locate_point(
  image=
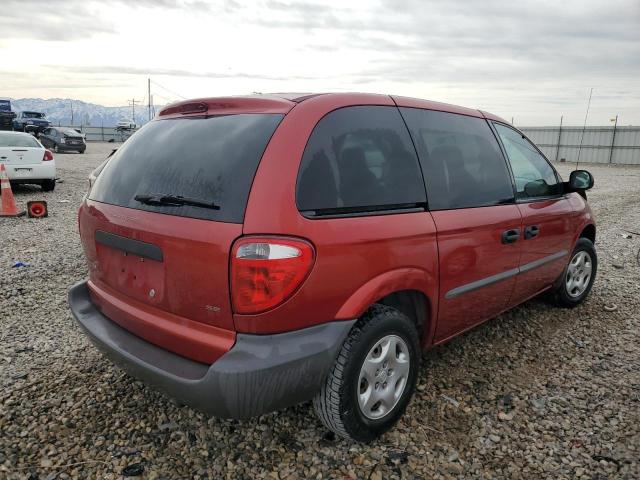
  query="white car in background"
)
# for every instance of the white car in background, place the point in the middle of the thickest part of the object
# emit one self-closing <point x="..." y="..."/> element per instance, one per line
<point x="26" y="160"/>
<point x="126" y="125"/>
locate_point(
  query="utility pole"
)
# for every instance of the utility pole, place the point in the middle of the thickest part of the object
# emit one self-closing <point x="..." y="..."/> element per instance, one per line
<point x="132" y="104"/>
<point x="71" y="105"/>
<point x="149" y="96"/>
<point x="613" y="138"/>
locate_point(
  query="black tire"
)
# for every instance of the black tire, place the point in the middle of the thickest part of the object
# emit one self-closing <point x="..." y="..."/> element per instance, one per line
<point x="81" y="151"/>
<point x="337" y="402"/>
<point x="560" y="294"/>
<point x="56" y="149"/>
<point x="48" y="185"/>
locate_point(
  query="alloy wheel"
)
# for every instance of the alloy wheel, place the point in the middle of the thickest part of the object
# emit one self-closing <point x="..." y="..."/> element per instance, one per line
<point x="578" y="274"/>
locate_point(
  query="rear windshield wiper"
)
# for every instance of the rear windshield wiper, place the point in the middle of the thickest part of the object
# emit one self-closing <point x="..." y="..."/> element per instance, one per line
<point x="160" y="199"/>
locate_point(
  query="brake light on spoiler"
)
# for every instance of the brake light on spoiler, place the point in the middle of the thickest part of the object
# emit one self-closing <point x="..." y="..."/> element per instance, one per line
<point x="184" y="108"/>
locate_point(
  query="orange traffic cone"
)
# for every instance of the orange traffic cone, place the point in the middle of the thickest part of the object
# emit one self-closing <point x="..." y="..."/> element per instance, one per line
<point x="37" y="209"/>
<point x="8" y="207"/>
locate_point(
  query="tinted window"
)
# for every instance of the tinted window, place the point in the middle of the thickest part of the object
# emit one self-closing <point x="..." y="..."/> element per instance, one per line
<point x="533" y="175"/>
<point x="207" y="159"/>
<point x="359" y="157"/>
<point x="461" y="160"/>
<point x="16" y="140"/>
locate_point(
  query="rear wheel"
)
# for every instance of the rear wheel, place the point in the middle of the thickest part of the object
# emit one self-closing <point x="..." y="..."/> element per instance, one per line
<point x="576" y="281"/>
<point x="48" y="185"/>
<point x="373" y="378"/>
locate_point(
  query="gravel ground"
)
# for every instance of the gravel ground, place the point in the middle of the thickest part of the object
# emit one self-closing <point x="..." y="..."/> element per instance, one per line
<point x="537" y="393"/>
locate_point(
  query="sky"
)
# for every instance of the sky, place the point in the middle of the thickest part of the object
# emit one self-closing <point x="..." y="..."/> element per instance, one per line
<point x="532" y="61"/>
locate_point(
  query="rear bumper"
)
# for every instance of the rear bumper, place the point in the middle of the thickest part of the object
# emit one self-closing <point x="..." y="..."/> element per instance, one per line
<point x="30" y="172"/>
<point x="260" y="373"/>
<point x="34" y="128"/>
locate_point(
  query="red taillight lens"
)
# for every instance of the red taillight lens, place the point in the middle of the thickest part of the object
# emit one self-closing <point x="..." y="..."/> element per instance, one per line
<point x="267" y="271"/>
<point x="47" y="156"/>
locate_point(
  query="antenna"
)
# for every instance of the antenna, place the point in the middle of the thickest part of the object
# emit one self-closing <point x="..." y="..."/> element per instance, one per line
<point x="584" y="127"/>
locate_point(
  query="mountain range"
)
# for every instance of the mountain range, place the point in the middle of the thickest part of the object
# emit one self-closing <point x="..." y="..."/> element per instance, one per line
<point x="58" y="111"/>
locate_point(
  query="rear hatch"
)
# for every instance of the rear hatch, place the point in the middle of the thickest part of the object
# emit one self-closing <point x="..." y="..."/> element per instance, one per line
<point x="20" y="149"/>
<point x="71" y="137"/>
<point x="159" y="223"/>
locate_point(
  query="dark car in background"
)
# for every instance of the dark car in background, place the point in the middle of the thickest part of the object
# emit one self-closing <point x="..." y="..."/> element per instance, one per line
<point x="6" y="115"/>
<point x="62" y="139"/>
<point x="32" y="122"/>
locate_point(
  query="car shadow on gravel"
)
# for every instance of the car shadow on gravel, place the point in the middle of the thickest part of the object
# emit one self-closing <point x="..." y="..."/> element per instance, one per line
<point x="26" y="189"/>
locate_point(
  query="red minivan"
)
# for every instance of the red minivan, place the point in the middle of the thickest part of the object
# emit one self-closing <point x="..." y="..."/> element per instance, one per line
<point x="250" y="253"/>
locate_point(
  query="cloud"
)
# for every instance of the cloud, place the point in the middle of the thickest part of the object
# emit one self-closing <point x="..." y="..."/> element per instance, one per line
<point x="52" y="20"/>
<point x="65" y="20"/>
<point x="499" y="54"/>
<point x="171" y="72"/>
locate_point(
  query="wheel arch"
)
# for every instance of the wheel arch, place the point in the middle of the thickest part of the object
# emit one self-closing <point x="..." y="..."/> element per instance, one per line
<point x="403" y="289"/>
<point x="589" y="231"/>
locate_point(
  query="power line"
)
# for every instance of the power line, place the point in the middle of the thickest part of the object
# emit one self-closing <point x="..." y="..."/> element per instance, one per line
<point x="168" y="90"/>
<point x="169" y="100"/>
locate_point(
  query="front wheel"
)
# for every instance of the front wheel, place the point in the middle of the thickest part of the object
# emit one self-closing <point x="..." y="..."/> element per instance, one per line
<point x="575" y="283"/>
<point x="374" y="377"/>
<point x="56" y="149"/>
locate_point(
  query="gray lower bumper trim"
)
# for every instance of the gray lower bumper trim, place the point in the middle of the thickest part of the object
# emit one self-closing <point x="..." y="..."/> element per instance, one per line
<point x="261" y="373"/>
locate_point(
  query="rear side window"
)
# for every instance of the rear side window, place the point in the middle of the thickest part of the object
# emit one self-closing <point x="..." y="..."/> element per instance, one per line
<point x="18" y="140"/>
<point x="533" y="175"/>
<point x="210" y="160"/>
<point x="461" y="160"/>
<point x="359" y="159"/>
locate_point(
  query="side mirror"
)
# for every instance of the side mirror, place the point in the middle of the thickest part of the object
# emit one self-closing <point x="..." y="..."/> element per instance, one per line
<point x="580" y="180"/>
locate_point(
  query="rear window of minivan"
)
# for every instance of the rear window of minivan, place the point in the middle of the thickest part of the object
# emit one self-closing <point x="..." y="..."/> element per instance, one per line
<point x="211" y="160"/>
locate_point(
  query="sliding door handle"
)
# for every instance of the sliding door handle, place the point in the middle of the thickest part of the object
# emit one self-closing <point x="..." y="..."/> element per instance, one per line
<point x="531" y="231"/>
<point x="511" y="236"/>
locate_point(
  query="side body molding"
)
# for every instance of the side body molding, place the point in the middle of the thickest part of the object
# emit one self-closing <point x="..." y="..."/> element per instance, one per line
<point x="483" y="282"/>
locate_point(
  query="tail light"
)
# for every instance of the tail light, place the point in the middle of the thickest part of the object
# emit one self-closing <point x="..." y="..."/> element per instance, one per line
<point x="267" y="271"/>
<point x="47" y="156"/>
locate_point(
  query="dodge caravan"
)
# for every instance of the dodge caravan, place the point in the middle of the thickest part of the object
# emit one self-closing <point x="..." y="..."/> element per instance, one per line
<point x="249" y="253"/>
